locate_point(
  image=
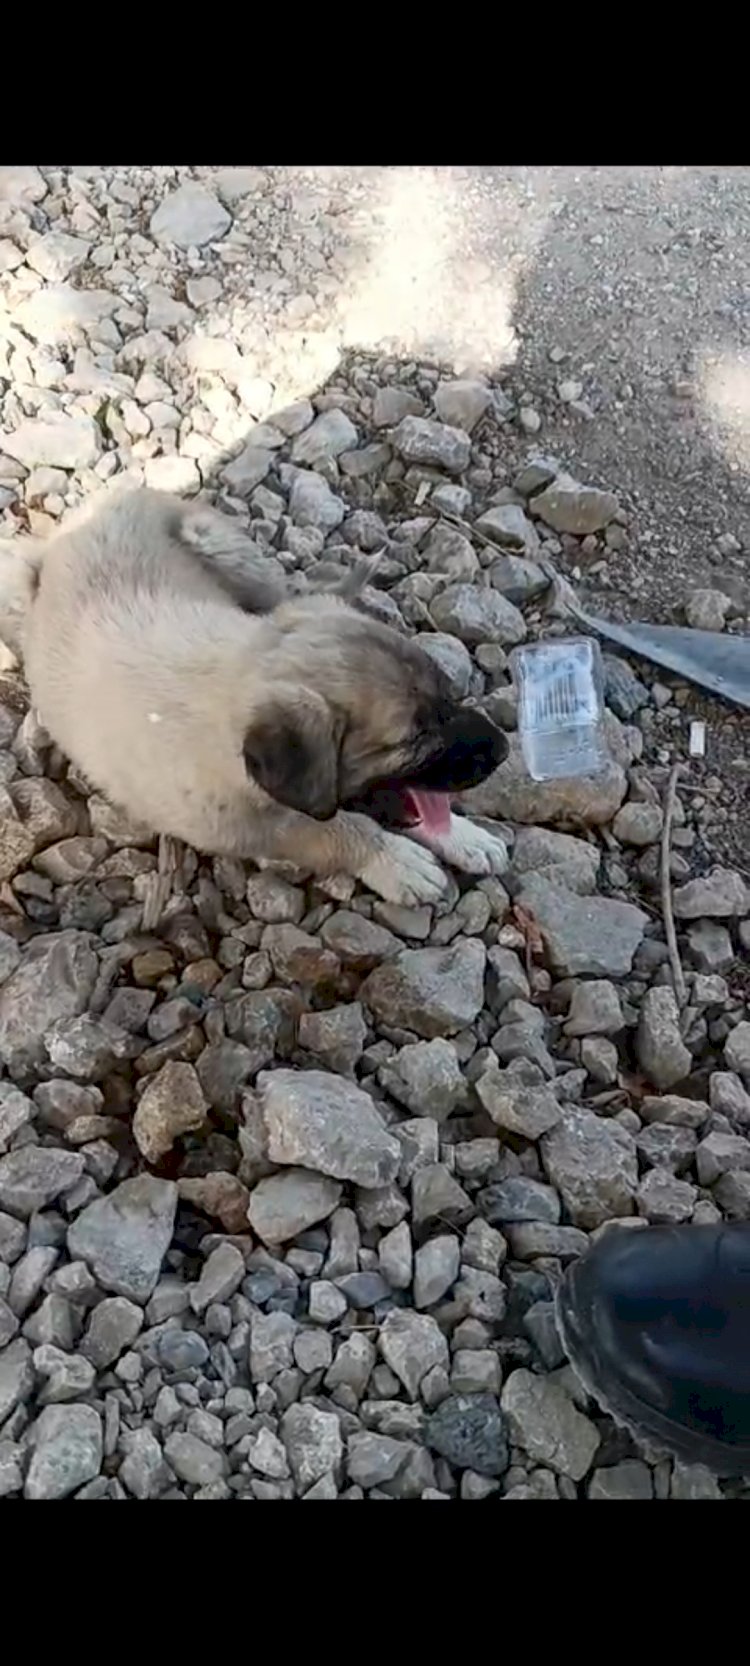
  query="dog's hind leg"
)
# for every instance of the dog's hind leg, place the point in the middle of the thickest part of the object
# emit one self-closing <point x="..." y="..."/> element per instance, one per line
<point x="232" y="558"/>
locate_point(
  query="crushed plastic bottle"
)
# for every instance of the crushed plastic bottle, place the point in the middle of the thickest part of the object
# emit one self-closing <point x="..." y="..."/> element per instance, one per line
<point x="561" y="707"/>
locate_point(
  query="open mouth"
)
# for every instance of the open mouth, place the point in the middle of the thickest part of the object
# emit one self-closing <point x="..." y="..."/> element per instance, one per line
<point x="471" y="747"/>
<point x="394" y="804"/>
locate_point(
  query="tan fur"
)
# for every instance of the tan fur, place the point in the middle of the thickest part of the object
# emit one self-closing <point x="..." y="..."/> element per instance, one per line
<point x="153" y="680"/>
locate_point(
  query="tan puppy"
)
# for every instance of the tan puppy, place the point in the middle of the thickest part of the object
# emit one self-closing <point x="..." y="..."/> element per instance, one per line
<point x="249" y="733"/>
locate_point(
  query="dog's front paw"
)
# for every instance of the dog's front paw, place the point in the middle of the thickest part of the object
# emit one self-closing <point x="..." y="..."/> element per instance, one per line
<point x="405" y="873"/>
<point x="471" y="848"/>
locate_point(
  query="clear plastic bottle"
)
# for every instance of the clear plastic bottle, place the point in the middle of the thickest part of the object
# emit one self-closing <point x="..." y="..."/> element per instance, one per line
<point x="561" y="707"/>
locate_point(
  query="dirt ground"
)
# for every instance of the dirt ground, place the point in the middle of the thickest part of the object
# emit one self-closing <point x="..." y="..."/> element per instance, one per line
<point x="629" y="283"/>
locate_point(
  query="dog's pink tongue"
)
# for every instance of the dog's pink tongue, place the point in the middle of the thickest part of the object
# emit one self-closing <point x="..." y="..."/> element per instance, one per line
<point x="433" y="809"/>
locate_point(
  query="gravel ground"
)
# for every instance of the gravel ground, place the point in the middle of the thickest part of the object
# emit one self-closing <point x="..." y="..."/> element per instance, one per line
<point x="286" y="1186"/>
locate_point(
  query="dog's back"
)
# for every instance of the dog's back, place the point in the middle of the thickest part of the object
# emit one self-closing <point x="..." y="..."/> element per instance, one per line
<point x="133" y="653"/>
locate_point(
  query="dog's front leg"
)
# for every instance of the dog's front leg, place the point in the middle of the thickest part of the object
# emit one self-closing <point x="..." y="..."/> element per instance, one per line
<point x="394" y="867"/>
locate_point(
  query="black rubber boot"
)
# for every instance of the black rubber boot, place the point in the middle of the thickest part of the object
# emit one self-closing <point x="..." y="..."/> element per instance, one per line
<point x="656" y="1322"/>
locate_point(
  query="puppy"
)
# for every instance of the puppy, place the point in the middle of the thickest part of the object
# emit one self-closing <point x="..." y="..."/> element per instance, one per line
<point x="165" y="665"/>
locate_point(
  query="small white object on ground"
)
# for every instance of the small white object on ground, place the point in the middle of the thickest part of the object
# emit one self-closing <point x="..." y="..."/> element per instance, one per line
<point x="697" y="739"/>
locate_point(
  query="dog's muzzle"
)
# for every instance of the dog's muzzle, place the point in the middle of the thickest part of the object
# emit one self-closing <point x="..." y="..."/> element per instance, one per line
<point x="471" y="747"/>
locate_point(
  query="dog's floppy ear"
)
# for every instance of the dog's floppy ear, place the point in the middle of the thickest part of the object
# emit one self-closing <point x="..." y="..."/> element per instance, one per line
<point x="291" y="749"/>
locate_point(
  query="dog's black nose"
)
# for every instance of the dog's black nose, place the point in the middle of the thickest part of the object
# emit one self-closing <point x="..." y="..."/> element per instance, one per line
<point x="471" y="747"/>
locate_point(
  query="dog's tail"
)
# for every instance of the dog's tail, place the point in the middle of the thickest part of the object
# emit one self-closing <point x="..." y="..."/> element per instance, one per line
<point x="20" y="566"/>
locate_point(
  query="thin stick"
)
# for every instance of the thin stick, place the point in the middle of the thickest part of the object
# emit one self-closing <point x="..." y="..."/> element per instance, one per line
<point x="678" y="976"/>
<point x="160" y="884"/>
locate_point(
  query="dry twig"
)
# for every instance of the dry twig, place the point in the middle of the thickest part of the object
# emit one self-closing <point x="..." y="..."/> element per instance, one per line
<point x="678" y="976"/>
<point x="160" y="884"/>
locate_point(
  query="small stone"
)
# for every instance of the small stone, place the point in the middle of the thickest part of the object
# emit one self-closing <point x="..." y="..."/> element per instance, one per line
<point x="124" y="1237"/>
<point x="732" y="1194"/>
<point x="544" y="1421"/>
<point x="721" y="894"/>
<point x="9" y="1324"/>
<point x="68" y="1375"/>
<point x="16" y="1375"/>
<point x="336" y="1037"/>
<point x="662" y="1054"/>
<point x="436" y="1267"/>
<point x="283" y="1205"/>
<point x="313" y="1443"/>
<point x="321" y="1122"/>
<point x="142" y="1471"/>
<point x="55" y="255"/>
<point x="623" y="691"/>
<point x="638" y="824"/>
<point x="516" y="1108"/>
<point x="220" y="1195"/>
<point x="113" y="1327"/>
<point x="182" y="1350"/>
<point x="391" y="404"/>
<point x="358" y="942"/>
<point x="462" y="403"/>
<point x="326" y="1304"/>
<point x="431" y="991"/>
<point x="519" y="1199"/>
<point x="247" y="470"/>
<point x="718" y="1154"/>
<point x="313" y="1351"/>
<point x="374" y="1459"/>
<point x="33" y="1176"/>
<point x="88" y="1047"/>
<point x="329" y="435"/>
<point x="54" y="980"/>
<point x="190" y="217"/>
<point x="436" y="1195"/>
<point x="22" y="183"/>
<point x="313" y="504"/>
<point x="395" y="1254"/>
<point x="475" y="616"/>
<point x="425" y="1076"/>
<point x="664" y="1200"/>
<point x="420" y="440"/>
<point x="172" y="1104"/>
<point x="469" y="1431"/>
<point x="594" y="1009"/>
<point x="569" y="507"/>
<point x="670" y="1108"/>
<point x="559" y="856"/>
<point x="449" y="552"/>
<point x="593" y="1165"/>
<point x="411" y="1344"/>
<point x="59" y="441"/>
<point x="475" y="1371"/>
<point x="222" y="1274"/>
<point x="517" y="580"/>
<point x="268" y="1456"/>
<point x="193" y="1460"/>
<point x="693" y="1481"/>
<point x="16" y="1111"/>
<point x="452" y="657"/>
<point x="629" y="1479"/>
<point x="583" y="936"/>
<point x="510" y="794"/>
<point x="737" y="1050"/>
<point x="67" y="1451"/>
<point x="706" y="610"/>
<point x="273" y="900"/>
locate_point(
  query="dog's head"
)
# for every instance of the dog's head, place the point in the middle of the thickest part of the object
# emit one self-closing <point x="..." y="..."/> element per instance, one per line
<point x="358" y="717"/>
